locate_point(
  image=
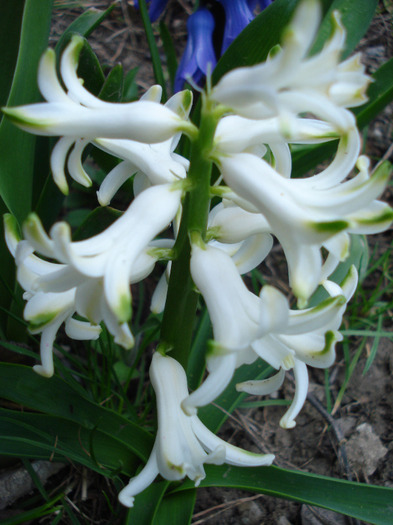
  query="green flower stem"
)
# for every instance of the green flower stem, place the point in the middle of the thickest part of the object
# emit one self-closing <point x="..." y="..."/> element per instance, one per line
<point x="180" y="309"/>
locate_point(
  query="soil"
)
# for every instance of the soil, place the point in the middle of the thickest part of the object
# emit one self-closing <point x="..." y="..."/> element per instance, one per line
<point x="361" y="428"/>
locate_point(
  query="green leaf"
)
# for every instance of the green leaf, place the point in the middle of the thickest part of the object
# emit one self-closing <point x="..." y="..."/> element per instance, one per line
<point x="170" y="52"/>
<point x="146" y="504"/>
<point x="306" y="158"/>
<point x="356" y="16"/>
<point x="83" y="25"/>
<point x="34" y="514"/>
<point x="56" y="397"/>
<point x="369" y="503"/>
<point x="112" y="89"/>
<point x="176" y="509"/>
<point x="97" y="221"/>
<point x="10" y="25"/>
<point x="130" y="89"/>
<point x="16" y="146"/>
<point x="197" y="361"/>
<point x="380" y="94"/>
<point x="7" y="277"/>
<point x="42" y="436"/>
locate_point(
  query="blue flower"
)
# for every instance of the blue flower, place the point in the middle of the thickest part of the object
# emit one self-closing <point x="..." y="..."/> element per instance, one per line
<point x="199" y="52"/>
<point x="237" y="16"/>
<point x="156" y="7"/>
<point x="262" y="4"/>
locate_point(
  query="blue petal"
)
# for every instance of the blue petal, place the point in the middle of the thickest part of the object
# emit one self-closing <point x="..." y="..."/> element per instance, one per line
<point x="237" y="16"/>
<point x="199" y="50"/>
<point x="156" y="7"/>
<point x="262" y="4"/>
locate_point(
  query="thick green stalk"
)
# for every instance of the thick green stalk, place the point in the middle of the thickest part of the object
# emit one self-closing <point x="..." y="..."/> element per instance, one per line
<point x="181" y="303"/>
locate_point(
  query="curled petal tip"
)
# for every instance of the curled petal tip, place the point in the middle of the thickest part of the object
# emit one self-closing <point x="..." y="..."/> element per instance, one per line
<point x="125" y="499"/>
<point x="42" y="371"/>
<point x="287" y="424"/>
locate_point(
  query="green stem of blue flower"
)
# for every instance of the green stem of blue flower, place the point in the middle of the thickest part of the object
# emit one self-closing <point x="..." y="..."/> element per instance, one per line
<point x="180" y="309"/>
<point x="155" y="56"/>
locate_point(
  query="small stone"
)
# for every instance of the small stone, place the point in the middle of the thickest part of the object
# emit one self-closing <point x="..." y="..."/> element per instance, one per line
<point x="251" y="513"/>
<point x="316" y="516"/>
<point x="346" y="424"/>
<point x="365" y="449"/>
<point x="283" y="521"/>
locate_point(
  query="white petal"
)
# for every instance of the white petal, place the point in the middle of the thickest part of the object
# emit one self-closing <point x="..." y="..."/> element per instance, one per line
<point x="233" y="455"/>
<point x="221" y="370"/>
<point x="75" y="166"/>
<point x="48" y="82"/>
<point x="252" y="252"/>
<point x="58" y="160"/>
<point x="301" y="381"/>
<point x="233" y="309"/>
<point x="81" y="330"/>
<point x="140" y="482"/>
<point x="143" y="121"/>
<point x="114" y="180"/>
<point x="264" y="386"/>
<point x="158" y="299"/>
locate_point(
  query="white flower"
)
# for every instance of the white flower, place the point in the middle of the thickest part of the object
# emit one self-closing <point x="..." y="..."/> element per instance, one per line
<point x="157" y="162"/>
<point x="290" y="81"/>
<point x="308" y="339"/>
<point x="304" y="214"/>
<point x="92" y="277"/>
<point x="246" y="327"/>
<point x="80" y="117"/>
<point x="239" y="318"/>
<point x="235" y="134"/>
<point x="112" y="254"/>
<point x="183" y="444"/>
<point x="45" y="312"/>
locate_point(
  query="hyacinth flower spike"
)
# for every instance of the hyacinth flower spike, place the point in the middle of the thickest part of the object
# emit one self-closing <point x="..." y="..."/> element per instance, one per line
<point x="183" y="444"/>
<point x="199" y="54"/>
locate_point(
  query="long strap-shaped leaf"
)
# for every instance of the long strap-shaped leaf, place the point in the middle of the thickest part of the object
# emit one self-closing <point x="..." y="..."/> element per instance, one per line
<point x="27" y="434"/>
<point x="56" y="398"/>
<point x="16" y="146"/>
<point x="369" y="503"/>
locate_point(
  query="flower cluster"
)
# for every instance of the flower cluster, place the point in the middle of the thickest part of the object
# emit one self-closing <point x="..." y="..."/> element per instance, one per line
<point x="257" y="114"/>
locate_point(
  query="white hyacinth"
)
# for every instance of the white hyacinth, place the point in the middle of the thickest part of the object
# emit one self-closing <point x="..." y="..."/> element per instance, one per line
<point x="80" y="117"/>
<point x="183" y="444"/>
<point x="250" y="121"/>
